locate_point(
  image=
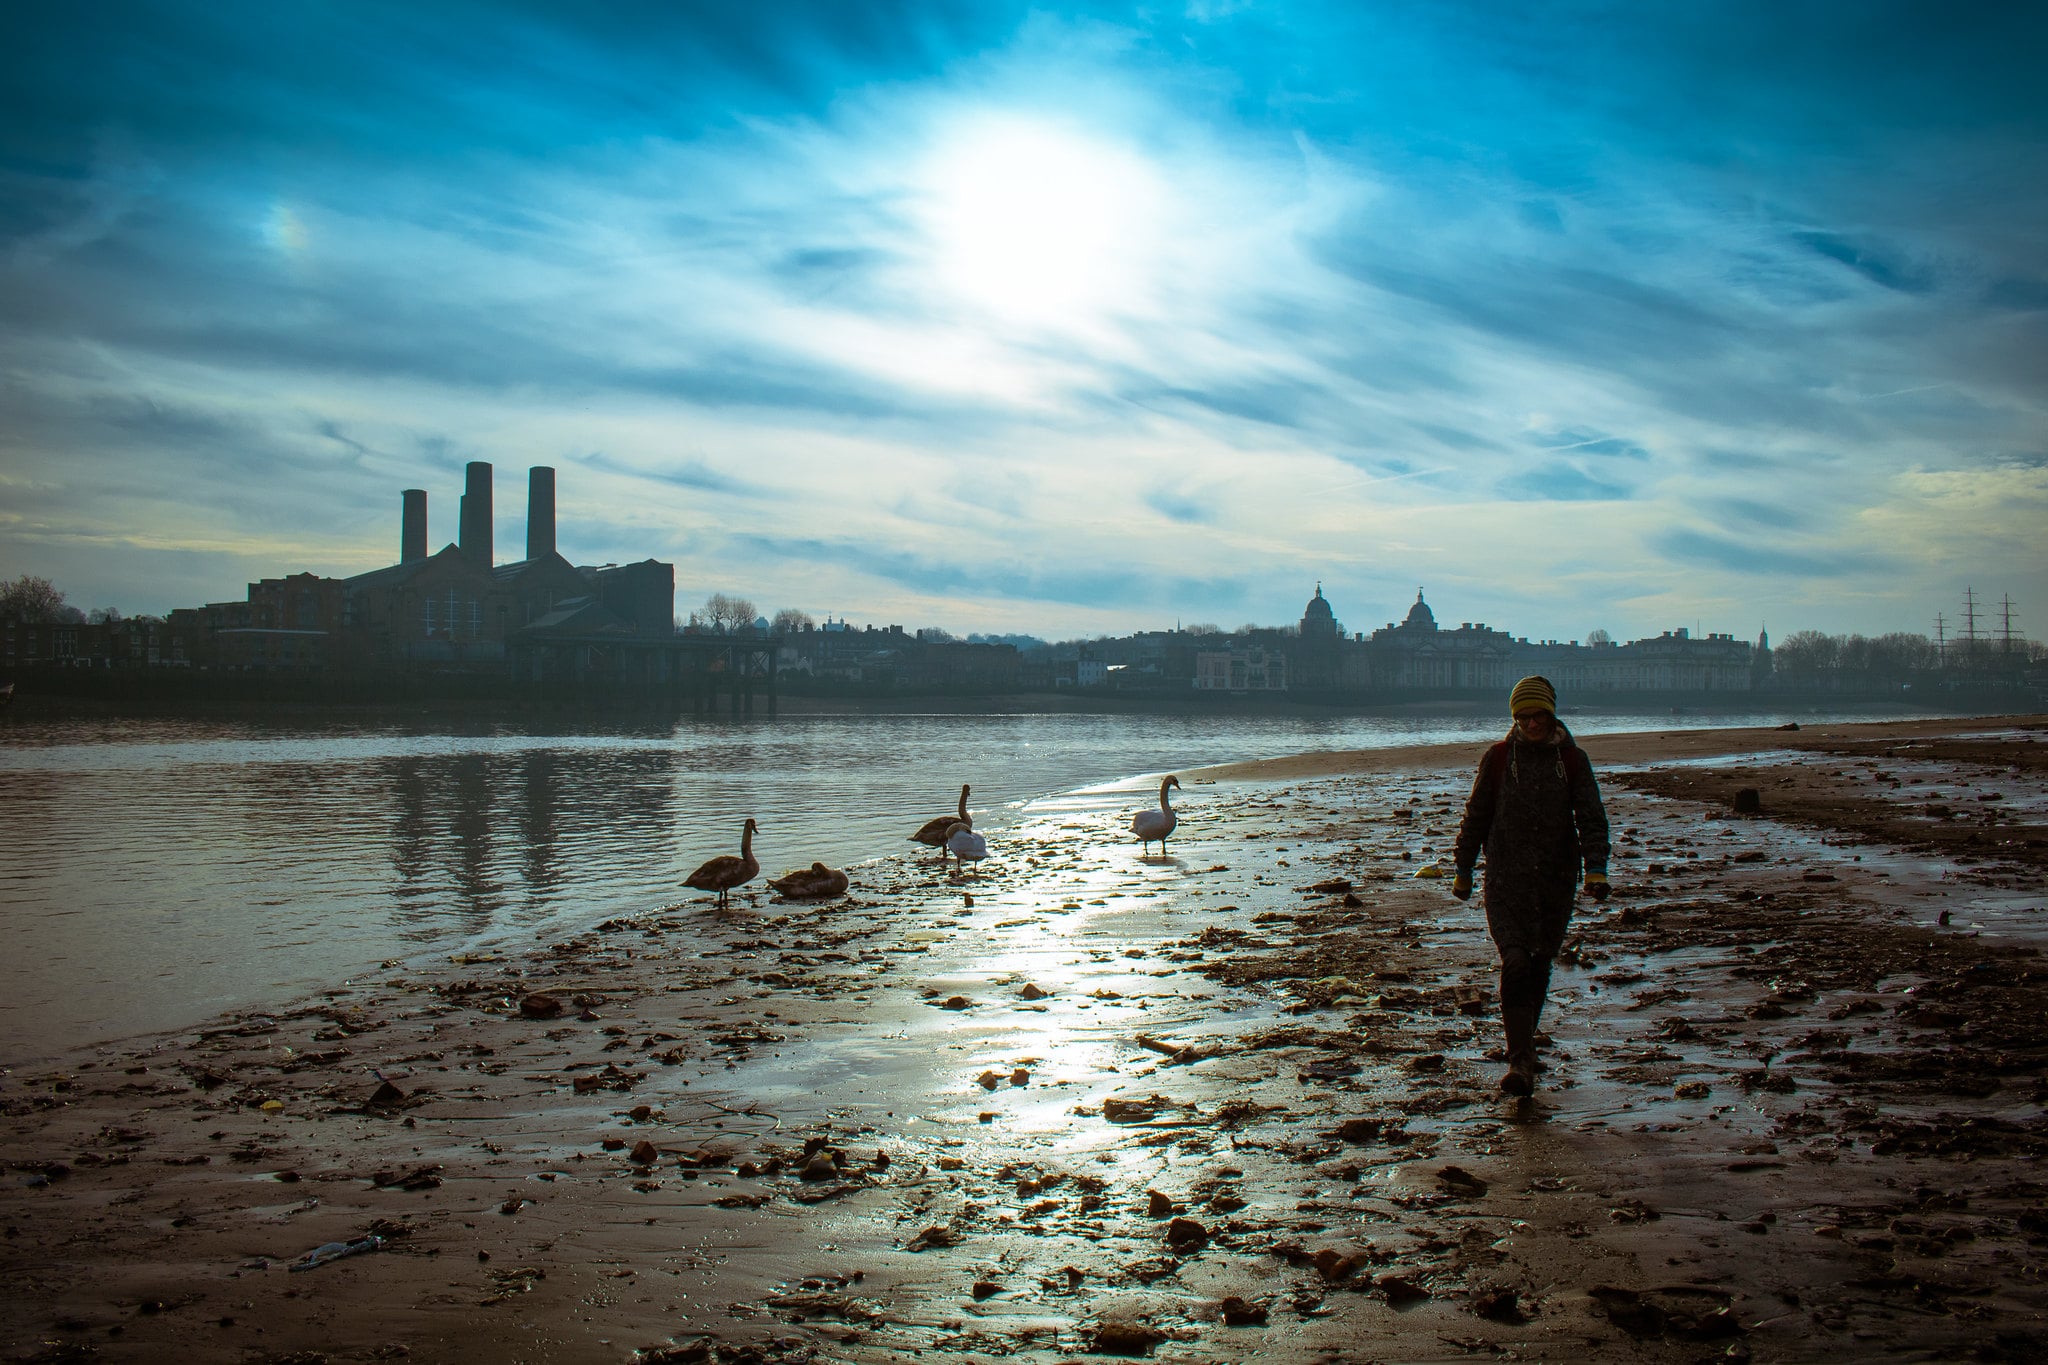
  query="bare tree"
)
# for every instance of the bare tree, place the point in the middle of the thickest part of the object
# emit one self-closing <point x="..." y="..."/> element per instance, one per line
<point x="1205" y="628"/>
<point x="727" y="613"/>
<point x="1599" y="636"/>
<point x="32" y="599"/>
<point x="1805" y="653"/>
<point x="789" y="621"/>
<point x="105" y="616"/>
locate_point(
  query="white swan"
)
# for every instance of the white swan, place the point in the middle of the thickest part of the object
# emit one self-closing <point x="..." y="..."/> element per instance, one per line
<point x="963" y="843"/>
<point x="1156" y="824"/>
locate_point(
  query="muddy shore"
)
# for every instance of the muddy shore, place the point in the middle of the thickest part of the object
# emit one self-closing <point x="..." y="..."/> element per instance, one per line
<point x="1231" y="1103"/>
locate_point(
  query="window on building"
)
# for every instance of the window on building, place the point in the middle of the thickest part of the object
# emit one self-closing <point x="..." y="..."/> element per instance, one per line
<point x="430" y="616"/>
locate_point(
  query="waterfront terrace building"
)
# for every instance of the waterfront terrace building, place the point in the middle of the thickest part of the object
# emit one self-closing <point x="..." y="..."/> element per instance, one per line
<point x="1674" y="661"/>
<point x="1244" y="668"/>
<point x="1418" y="655"/>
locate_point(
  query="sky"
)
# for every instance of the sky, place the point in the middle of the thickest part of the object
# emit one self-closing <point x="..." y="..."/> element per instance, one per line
<point x="1066" y="320"/>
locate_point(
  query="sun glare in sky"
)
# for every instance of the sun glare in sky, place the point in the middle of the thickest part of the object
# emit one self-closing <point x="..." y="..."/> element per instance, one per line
<point x="1041" y="224"/>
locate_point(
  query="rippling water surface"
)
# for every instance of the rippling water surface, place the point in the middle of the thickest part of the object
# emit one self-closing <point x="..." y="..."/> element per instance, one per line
<point x="155" y="872"/>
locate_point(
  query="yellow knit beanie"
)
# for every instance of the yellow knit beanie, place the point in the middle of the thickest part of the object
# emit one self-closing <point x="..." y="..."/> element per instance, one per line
<point x="1533" y="693"/>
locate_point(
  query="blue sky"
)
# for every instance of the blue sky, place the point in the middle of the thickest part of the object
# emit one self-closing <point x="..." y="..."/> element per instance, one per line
<point x="1066" y="320"/>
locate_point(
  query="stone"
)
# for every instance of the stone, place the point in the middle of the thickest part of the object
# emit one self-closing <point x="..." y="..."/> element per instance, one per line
<point x="1124" y="1339"/>
<point x="1499" y="1305"/>
<point x="1399" y="1290"/>
<point x="1337" y="1266"/>
<point x="1458" y="1180"/>
<point x="1129" y="1111"/>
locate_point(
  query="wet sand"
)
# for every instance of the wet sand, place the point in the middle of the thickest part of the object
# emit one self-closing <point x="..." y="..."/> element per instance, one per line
<point x="1231" y="1103"/>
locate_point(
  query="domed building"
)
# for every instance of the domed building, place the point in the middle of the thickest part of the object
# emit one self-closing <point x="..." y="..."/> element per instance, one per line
<point x="1419" y="655"/>
<point x="1318" y="646"/>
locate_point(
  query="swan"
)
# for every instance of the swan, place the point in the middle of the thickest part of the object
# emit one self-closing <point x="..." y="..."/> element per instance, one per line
<point x="816" y="882"/>
<point x="1156" y="824"/>
<point x="964" y="844"/>
<point x="725" y="872"/>
<point x="933" y="832"/>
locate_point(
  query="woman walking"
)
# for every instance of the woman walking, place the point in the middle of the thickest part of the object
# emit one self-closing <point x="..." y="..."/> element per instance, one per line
<point x="1535" y="812"/>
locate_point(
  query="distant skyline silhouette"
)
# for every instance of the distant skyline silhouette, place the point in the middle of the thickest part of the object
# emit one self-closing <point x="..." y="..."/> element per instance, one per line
<point x="1061" y="321"/>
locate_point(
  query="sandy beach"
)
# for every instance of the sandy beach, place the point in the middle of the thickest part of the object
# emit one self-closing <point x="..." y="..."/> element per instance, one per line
<point x="1231" y="1103"/>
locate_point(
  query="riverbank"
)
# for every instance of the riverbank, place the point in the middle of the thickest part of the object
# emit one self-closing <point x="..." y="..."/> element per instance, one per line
<point x="1231" y="1103"/>
<point x="67" y="693"/>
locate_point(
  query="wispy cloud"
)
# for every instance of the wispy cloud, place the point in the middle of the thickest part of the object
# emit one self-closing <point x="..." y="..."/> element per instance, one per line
<point x="1373" y="294"/>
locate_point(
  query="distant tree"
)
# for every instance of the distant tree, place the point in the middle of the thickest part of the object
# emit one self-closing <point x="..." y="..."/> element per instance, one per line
<point x="105" y="616"/>
<point x="789" y="621"/>
<point x="1900" y="653"/>
<point x="1599" y="636"/>
<point x="1806" y="653"/>
<point x="1852" y="654"/>
<point x="1205" y="628"/>
<point x="32" y="599"/>
<point x="1023" y="643"/>
<point x="934" y="635"/>
<point x="727" y="613"/>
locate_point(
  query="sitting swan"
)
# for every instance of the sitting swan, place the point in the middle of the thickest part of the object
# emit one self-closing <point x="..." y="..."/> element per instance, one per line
<point x="1156" y="824"/>
<point x="725" y="872"/>
<point x="816" y="882"/>
<point x="963" y="843"/>
<point x="932" y="834"/>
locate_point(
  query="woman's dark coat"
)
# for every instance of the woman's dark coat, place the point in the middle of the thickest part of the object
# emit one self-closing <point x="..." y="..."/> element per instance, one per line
<point x="1535" y="810"/>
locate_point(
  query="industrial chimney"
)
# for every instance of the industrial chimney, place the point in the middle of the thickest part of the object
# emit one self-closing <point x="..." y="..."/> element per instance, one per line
<point x="540" y="511"/>
<point x="412" y="533"/>
<point x="476" y="514"/>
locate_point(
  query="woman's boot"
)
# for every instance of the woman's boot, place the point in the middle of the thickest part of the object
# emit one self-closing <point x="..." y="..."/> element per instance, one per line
<point x="1520" y="1024"/>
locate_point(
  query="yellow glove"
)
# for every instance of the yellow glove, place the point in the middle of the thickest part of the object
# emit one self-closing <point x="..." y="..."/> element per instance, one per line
<point x="1596" y="885"/>
<point x="1461" y="884"/>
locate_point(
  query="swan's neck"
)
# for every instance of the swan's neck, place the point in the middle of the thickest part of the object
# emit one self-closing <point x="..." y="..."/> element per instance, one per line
<point x="1164" y="804"/>
<point x="746" y="842"/>
<point x="963" y="803"/>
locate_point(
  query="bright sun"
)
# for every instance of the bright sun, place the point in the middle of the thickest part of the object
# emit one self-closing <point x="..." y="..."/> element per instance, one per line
<point x="1041" y="224"/>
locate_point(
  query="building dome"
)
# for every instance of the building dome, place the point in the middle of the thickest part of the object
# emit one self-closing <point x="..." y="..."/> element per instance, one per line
<point x="1317" y="618"/>
<point x="1420" y="616"/>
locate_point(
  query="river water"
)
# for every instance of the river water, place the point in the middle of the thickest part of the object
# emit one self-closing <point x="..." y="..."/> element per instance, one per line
<point x="156" y="872"/>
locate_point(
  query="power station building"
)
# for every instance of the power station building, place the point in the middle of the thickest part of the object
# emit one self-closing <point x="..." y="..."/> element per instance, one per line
<point x="458" y="608"/>
<point x="454" y="610"/>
